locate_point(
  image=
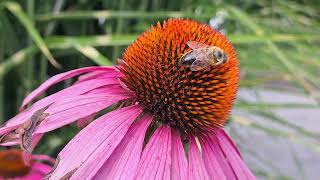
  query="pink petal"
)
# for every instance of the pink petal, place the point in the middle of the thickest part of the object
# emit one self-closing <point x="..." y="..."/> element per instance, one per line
<point x="43" y="157"/>
<point x="232" y="155"/>
<point x="179" y="170"/>
<point x="72" y="91"/>
<point x="114" y="89"/>
<point x="216" y="165"/>
<point x="89" y="149"/>
<point x="71" y="109"/>
<point x="156" y="160"/>
<point x="76" y="90"/>
<point x="99" y="75"/>
<point x="225" y="135"/>
<point x="60" y="77"/>
<point x="197" y="169"/>
<point x="123" y="162"/>
<point x="41" y="168"/>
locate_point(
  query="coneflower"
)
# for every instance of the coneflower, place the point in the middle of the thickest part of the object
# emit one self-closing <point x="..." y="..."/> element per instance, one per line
<point x="166" y="121"/>
<point x="17" y="165"/>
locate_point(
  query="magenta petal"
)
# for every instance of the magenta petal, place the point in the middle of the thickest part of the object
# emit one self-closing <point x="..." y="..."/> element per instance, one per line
<point x="60" y="77"/>
<point x="123" y="162"/>
<point x="197" y="169"/>
<point x="71" y="109"/>
<point x="99" y="75"/>
<point x="41" y="168"/>
<point x="69" y="92"/>
<point x="75" y="90"/>
<point x="216" y="165"/>
<point x="232" y="154"/>
<point x="88" y="150"/>
<point x="179" y="170"/>
<point x="155" y="162"/>
<point x="43" y="157"/>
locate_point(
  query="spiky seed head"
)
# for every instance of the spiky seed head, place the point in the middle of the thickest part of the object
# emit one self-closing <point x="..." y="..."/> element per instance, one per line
<point x="192" y="101"/>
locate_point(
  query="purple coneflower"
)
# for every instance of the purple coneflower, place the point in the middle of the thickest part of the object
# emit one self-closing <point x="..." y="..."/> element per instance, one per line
<point x="17" y="165"/>
<point x="166" y="120"/>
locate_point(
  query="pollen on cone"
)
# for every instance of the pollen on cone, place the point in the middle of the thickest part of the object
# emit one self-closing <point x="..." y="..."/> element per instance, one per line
<point x="192" y="101"/>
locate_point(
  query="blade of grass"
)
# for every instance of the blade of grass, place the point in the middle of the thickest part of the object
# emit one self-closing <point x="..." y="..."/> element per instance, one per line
<point x="64" y="42"/>
<point x="16" y="59"/>
<point x="16" y="10"/>
<point x="2" y="117"/>
<point x="244" y="38"/>
<point x="274" y="118"/>
<point x="253" y="106"/>
<point x="30" y="64"/>
<point x="295" y="71"/>
<point x="119" y="29"/>
<point x="109" y="14"/>
<point x="275" y="132"/>
<point x="94" y="55"/>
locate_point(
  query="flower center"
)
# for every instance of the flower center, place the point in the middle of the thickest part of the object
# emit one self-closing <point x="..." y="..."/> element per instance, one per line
<point x="12" y="164"/>
<point x="192" y="101"/>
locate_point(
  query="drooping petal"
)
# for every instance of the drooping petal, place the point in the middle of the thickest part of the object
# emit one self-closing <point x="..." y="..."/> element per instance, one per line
<point x="69" y="92"/>
<point x="156" y="159"/>
<point x="71" y="109"/>
<point x="76" y="90"/>
<point x="41" y="168"/>
<point x="99" y="75"/>
<point x="179" y="170"/>
<point x="123" y="162"/>
<point x="232" y="155"/>
<point x="43" y="157"/>
<point x="60" y="77"/>
<point x="94" y="144"/>
<point x="197" y="169"/>
<point x="214" y="160"/>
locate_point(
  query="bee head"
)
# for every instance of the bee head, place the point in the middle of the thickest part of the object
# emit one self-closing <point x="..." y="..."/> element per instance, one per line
<point x="220" y="56"/>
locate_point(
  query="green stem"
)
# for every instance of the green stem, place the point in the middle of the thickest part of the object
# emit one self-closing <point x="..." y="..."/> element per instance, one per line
<point x="109" y="14"/>
<point x="2" y="118"/>
<point x="30" y="64"/>
<point x="119" y="29"/>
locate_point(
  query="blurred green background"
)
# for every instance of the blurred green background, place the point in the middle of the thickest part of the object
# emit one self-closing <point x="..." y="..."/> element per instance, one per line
<point x="277" y="43"/>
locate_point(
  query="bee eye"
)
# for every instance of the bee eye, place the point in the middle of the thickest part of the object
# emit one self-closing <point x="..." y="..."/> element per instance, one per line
<point x="218" y="55"/>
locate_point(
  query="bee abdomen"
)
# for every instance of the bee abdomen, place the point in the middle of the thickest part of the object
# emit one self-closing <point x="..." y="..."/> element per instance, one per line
<point x="188" y="58"/>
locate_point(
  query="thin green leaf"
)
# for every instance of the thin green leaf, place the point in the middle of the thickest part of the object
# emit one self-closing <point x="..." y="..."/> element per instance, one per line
<point x="94" y="55"/>
<point x="109" y="14"/>
<point x="15" y="9"/>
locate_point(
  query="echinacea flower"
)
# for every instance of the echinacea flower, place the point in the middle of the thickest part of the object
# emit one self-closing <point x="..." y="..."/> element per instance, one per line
<point x="18" y="165"/>
<point x="166" y="120"/>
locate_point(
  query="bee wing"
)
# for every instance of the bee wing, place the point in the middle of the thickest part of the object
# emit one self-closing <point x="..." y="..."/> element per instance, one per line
<point x="199" y="64"/>
<point x="196" y="45"/>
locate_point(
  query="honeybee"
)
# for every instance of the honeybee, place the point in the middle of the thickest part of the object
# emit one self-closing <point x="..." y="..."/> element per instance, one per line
<point x="203" y="56"/>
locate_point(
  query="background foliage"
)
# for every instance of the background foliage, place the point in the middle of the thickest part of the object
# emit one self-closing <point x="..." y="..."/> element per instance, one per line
<point x="277" y="43"/>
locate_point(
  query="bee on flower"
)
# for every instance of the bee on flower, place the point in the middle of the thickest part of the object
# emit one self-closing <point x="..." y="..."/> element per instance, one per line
<point x="203" y="56"/>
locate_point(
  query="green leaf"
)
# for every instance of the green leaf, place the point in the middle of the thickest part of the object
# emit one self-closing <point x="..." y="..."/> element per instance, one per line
<point x="109" y="14"/>
<point x="94" y="55"/>
<point x="15" y="9"/>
